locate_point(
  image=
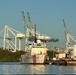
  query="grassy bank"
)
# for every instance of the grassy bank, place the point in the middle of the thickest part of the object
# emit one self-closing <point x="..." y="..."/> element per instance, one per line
<point x="8" y="56"/>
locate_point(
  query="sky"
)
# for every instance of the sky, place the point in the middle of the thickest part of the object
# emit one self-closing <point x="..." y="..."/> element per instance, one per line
<point x="48" y="15"/>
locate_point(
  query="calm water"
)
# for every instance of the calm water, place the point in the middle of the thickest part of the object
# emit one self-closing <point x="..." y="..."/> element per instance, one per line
<point x="17" y="68"/>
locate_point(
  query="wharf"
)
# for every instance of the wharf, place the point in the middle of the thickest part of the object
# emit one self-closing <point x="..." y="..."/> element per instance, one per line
<point x="56" y="62"/>
<point x="71" y="62"/>
<point x="61" y="62"/>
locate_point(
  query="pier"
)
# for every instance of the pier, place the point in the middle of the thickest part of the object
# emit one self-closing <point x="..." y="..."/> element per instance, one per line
<point x="56" y="62"/>
<point x="61" y="62"/>
<point x="71" y="63"/>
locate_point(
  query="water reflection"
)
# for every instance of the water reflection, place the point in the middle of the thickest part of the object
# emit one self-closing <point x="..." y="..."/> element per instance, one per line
<point x="5" y="68"/>
<point x="37" y="69"/>
<point x="17" y="68"/>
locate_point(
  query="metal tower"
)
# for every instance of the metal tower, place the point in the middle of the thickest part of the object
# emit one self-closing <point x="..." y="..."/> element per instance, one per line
<point x="30" y="31"/>
<point x="11" y="38"/>
<point x="69" y="37"/>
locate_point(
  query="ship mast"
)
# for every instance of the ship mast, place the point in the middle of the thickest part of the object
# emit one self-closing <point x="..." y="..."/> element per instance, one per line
<point x="35" y="34"/>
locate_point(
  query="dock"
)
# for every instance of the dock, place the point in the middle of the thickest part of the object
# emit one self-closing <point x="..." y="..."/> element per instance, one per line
<point x="61" y="62"/>
<point x="56" y="62"/>
<point x="71" y="63"/>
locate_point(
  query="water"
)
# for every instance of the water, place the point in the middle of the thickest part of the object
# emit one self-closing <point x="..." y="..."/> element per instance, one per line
<point x="9" y="68"/>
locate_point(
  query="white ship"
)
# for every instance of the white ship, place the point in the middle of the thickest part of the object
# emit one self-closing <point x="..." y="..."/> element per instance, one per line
<point x="35" y="54"/>
<point x="36" y="50"/>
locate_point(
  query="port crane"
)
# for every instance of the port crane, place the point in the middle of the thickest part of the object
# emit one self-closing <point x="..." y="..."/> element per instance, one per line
<point x="70" y="47"/>
<point x="68" y="36"/>
<point x="11" y="38"/>
<point x="30" y="32"/>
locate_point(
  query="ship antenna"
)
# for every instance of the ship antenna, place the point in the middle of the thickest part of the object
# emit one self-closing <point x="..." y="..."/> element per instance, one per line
<point x="35" y="34"/>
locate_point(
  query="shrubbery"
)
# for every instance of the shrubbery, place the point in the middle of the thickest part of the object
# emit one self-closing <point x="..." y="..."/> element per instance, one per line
<point x="51" y="54"/>
<point x="10" y="56"/>
<point x="7" y="56"/>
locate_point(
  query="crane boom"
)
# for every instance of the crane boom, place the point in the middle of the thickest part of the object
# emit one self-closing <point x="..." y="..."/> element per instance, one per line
<point x="24" y="22"/>
<point x="29" y="21"/>
<point x="31" y="32"/>
<point x="66" y="34"/>
<point x="65" y="28"/>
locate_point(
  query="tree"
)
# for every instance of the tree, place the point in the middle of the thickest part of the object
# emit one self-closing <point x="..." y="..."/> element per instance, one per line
<point x="54" y="40"/>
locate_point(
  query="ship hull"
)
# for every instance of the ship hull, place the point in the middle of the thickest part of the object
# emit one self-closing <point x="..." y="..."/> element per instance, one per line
<point x="33" y="59"/>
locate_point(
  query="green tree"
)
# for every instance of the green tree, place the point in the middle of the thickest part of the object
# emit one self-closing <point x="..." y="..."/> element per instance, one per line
<point x="54" y="40"/>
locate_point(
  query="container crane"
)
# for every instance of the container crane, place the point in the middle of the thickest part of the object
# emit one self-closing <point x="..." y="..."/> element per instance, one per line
<point x="66" y="34"/>
<point x="27" y="28"/>
<point x="29" y="21"/>
<point x="24" y="21"/>
<point x="70" y="48"/>
<point x="30" y="31"/>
